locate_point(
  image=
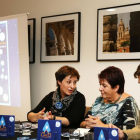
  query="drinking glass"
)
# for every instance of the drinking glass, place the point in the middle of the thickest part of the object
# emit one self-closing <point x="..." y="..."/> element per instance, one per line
<point x="17" y="125"/>
<point x="88" y="136"/>
<point x="26" y="128"/>
<point x="74" y="134"/>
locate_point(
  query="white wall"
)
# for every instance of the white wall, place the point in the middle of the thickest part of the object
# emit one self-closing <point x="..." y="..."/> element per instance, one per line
<point x="42" y="74"/>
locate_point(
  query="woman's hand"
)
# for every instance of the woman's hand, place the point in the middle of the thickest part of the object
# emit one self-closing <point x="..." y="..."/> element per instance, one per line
<point x="92" y="122"/>
<point x="120" y="132"/>
<point x="49" y="116"/>
<point x="63" y="120"/>
<point x="40" y="114"/>
<point x="33" y="117"/>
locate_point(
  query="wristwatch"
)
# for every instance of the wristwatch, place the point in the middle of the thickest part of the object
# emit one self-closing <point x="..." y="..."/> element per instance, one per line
<point x="125" y="137"/>
<point x="53" y="117"/>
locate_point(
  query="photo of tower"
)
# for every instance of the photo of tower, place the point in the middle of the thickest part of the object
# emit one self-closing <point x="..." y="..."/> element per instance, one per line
<point x="123" y="33"/>
<point x="118" y="33"/>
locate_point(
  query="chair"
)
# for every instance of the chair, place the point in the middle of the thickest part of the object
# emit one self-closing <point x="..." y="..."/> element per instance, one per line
<point x="86" y="110"/>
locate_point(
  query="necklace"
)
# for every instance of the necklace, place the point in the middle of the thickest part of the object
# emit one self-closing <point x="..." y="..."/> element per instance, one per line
<point x="117" y="99"/>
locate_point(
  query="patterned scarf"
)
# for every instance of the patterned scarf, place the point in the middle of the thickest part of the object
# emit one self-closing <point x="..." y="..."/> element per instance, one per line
<point x="65" y="102"/>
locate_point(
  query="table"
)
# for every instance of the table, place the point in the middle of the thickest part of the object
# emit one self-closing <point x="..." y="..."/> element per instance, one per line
<point x="34" y="134"/>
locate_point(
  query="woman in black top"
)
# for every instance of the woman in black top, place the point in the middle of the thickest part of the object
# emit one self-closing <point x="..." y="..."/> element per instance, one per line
<point x="65" y="103"/>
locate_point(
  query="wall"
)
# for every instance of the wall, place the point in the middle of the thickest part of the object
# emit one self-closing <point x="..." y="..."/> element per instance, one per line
<point x="42" y="74"/>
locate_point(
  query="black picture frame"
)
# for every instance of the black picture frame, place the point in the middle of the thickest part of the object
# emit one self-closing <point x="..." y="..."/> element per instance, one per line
<point x="31" y="39"/>
<point x="60" y="38"/>
<point x="118" y="33"/>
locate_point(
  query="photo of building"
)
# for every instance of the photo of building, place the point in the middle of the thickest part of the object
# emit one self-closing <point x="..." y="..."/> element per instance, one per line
<point x="60" y="38"/>
<point x="116" y="33"/>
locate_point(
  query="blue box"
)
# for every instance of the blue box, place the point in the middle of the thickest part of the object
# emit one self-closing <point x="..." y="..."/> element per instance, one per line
<point x="102" y="133"/>
<point x="7" y="126"/>
<point x="49" y="130"/>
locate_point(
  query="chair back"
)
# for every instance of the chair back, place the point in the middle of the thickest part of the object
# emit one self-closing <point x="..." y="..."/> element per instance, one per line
<point x="86" y="110"/>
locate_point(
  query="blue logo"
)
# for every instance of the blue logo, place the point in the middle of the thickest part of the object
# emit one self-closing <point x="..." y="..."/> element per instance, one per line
<point x="46" y="127"/>
<point x="46" y="131"/>
<point x="58" y="105"/>
<point x="2" y="125"/>
<point x="101" y="136"/>
<point x="2" y="122"/>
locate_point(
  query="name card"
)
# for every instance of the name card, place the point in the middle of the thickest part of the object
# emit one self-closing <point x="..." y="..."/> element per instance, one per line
<point x="49" y="130"/>
<point x="7" y="126"/>
<point x="101" y="133"/>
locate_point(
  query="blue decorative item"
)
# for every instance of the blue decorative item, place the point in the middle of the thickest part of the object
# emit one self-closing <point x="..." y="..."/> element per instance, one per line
<point x="22" y="138"/>
<point x="49" y="130"/>
<point x="46" y="127"/>
<point x="102" y="133"/>
<point x="101" y="136"/>
<point x="58" y="105"/>
<point x="7" y="126"/>
<point x="2" y="122"/>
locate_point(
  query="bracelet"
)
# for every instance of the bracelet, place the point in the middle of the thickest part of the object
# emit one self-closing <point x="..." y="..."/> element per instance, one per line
<point x="53" y="117"/>
<point x="125" y="137"/>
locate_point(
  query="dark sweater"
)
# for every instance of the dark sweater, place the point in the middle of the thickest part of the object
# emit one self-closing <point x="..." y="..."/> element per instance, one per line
<point x="74" y="113"/>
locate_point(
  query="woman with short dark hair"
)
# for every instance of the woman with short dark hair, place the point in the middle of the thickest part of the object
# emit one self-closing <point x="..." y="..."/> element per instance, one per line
<point x="65" y="103"/>
<point x="114" y="76"/>
<point x="113" y="106"/>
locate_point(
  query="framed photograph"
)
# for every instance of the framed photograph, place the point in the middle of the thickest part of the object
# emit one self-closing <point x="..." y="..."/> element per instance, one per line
<point x="31" y="39"/>
<point x="60" y="38"/>
<point x="118" y="33"/>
